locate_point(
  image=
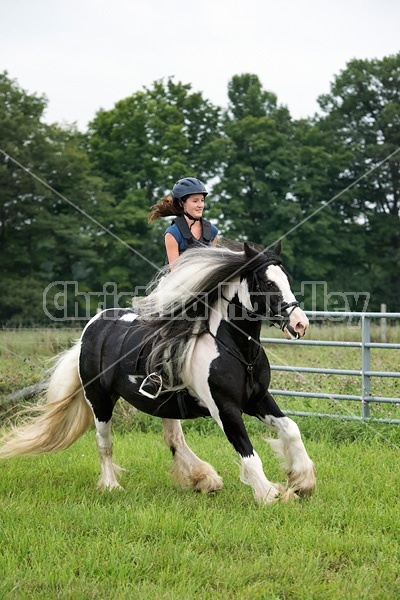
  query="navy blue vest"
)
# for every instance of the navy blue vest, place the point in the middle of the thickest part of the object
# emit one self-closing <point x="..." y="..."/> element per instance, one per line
<point x="190" y="240"/>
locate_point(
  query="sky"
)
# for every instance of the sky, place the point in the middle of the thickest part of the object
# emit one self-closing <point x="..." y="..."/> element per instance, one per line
<point x="86" y="55"/>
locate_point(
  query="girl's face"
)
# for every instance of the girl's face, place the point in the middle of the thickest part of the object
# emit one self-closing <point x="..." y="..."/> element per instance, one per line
<point x="194" y="205"/>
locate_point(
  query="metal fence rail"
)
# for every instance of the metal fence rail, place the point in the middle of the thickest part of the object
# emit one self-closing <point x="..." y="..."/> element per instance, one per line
<point x="365" y="372"/>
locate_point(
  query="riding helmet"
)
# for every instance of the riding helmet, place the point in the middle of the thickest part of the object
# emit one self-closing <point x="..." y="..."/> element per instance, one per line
<point x="186" y="187"/>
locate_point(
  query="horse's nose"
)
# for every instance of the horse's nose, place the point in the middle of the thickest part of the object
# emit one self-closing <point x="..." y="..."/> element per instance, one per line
<point x="301" y="326"/>
<point x="300" y="322"/>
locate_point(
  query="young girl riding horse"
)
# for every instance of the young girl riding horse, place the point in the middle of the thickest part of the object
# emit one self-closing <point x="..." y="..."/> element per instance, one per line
<point x="190" y="229"/>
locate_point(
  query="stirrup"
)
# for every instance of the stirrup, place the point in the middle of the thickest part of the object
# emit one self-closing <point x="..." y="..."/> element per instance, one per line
<point x="151" y="385"/>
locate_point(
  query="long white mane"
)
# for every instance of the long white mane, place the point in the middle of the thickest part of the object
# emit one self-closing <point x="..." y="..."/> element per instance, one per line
<point x="197" y="272"/>
<point x="176" y="312"/>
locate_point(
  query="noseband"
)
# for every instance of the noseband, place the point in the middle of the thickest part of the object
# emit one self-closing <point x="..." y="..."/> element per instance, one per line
<point x="285" y="320"/>
<point x="277" y="315"/>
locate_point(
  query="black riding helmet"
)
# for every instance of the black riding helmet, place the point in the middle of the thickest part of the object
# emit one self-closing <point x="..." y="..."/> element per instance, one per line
<point x="186" y="187"/>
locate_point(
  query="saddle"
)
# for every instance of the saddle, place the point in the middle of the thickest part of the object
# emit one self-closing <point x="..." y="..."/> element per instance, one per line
<point x="135" y="353"/>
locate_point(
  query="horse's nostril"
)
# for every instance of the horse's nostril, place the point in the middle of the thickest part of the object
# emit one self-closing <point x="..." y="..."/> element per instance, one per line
<point x="301" y="328"/>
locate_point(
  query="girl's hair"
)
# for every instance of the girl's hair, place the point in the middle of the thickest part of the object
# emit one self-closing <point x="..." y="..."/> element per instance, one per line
<point x="165" y="207"/>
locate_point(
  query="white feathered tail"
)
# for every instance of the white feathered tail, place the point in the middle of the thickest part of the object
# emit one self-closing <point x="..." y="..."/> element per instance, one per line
<point x="59" y="421"/>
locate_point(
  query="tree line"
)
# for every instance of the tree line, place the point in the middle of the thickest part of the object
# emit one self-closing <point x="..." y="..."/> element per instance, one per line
<point x="74" y="205"/>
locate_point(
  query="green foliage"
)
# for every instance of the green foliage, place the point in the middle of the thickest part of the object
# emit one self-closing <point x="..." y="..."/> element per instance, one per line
<point x="74" y="207"/>
<point x="363" y="111"/>
<point x="257" y="165"/>
<point x="141" y="147"/>
<point x="43" y="238"/>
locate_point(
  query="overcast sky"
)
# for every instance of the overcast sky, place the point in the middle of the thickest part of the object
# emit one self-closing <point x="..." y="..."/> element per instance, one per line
<point x="84" y="55"/>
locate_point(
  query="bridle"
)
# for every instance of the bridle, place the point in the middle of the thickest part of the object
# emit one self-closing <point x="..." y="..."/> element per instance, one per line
<point x="276" y="316"/>
<point x="284" y="321"/>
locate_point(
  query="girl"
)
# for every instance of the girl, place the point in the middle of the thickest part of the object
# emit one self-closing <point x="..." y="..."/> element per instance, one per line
<point x="186" y="202"/>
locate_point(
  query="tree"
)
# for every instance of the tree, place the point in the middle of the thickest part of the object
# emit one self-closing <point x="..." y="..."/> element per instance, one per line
<point x="252" y="196"/>
<point x="327" y="247"/>
<point x="43" y="237"/>
<point x="140" y="148"/>
<point x="363" y="116"/>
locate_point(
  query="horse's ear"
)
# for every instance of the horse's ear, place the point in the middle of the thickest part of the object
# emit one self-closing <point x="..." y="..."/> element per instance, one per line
<point x="278" y="248"/>
<point x="249" y="251"/>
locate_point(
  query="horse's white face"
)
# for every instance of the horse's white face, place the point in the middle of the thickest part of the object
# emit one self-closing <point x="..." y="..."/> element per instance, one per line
<point x="298" y="321"/>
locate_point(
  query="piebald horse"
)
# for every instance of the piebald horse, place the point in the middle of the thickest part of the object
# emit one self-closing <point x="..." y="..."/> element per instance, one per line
<point x="190" y="348"/>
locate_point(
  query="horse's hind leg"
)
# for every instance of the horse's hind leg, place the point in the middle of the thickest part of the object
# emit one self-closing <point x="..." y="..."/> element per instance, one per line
<point x="102" y="405"/>
<point x="109" y="470"/>
<point x="188" y="470"/>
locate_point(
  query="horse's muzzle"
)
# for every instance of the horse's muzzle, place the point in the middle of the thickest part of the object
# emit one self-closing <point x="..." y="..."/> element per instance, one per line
<point x="297" y="326"/>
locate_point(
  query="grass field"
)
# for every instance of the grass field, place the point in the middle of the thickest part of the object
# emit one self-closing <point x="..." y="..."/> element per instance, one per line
<point x="62" y="538"/>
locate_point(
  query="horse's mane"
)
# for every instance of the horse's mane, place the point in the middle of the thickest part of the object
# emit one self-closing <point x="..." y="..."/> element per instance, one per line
<point x="176" y="312"/>
<point x="197" y="271"/>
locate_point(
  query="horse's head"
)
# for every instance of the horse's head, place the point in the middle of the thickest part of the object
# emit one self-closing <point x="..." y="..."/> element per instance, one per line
<point x="270" y="292"/>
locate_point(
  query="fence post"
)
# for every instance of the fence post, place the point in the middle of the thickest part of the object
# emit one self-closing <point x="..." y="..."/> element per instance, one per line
<point x="383" y="324"/>
<point x="366" y="365"/>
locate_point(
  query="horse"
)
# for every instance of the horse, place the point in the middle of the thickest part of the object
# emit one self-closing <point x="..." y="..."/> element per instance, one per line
<point x="196" y="339"/>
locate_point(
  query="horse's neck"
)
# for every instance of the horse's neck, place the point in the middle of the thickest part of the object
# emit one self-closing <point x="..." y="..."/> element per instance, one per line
<point x="230" y="308"/>
<point x="246" y="325"/>
<point x="243" y="324"/>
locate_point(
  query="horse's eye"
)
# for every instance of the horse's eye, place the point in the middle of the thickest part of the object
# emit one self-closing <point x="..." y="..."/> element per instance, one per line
<point x="270" y="284"/>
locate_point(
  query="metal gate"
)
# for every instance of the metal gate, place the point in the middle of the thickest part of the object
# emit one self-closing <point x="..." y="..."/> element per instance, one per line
<point x="365" y="398"/>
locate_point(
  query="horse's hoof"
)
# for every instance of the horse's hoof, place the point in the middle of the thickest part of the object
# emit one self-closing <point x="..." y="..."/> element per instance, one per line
<point x="208" y="484"/>
<point x="109" y="486"/>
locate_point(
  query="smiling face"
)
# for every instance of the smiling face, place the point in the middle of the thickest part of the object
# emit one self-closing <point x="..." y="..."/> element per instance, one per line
<point x="194" y="205"/>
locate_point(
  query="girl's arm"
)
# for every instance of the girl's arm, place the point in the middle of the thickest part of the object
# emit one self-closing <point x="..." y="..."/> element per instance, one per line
<point x="172" y="248"/>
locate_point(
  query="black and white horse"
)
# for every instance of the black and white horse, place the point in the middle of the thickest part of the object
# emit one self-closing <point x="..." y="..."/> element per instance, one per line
<point x="196" y="340"/>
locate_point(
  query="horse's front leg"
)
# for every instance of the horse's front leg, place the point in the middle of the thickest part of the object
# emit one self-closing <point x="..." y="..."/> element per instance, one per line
<point x="251" y="469"/>
<point x="188" y="470"/>
<point x="218" y="384"/>
<point x="298" y="465"/>
<point x="289" y="446"/>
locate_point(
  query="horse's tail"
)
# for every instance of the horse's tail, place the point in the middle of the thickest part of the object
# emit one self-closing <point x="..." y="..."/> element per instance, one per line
<point x="60" y="420"/>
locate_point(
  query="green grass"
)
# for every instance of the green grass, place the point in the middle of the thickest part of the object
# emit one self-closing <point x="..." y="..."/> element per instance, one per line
<point x="62" y="538"/>
<point x="25" y="355"/>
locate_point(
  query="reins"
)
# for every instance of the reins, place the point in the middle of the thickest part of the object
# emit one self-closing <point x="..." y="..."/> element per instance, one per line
<point x="240" y="358"/>
<point x="235" y="354"/>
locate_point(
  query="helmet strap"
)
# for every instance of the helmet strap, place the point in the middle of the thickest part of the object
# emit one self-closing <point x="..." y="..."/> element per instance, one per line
<point x="193" y="219"/>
